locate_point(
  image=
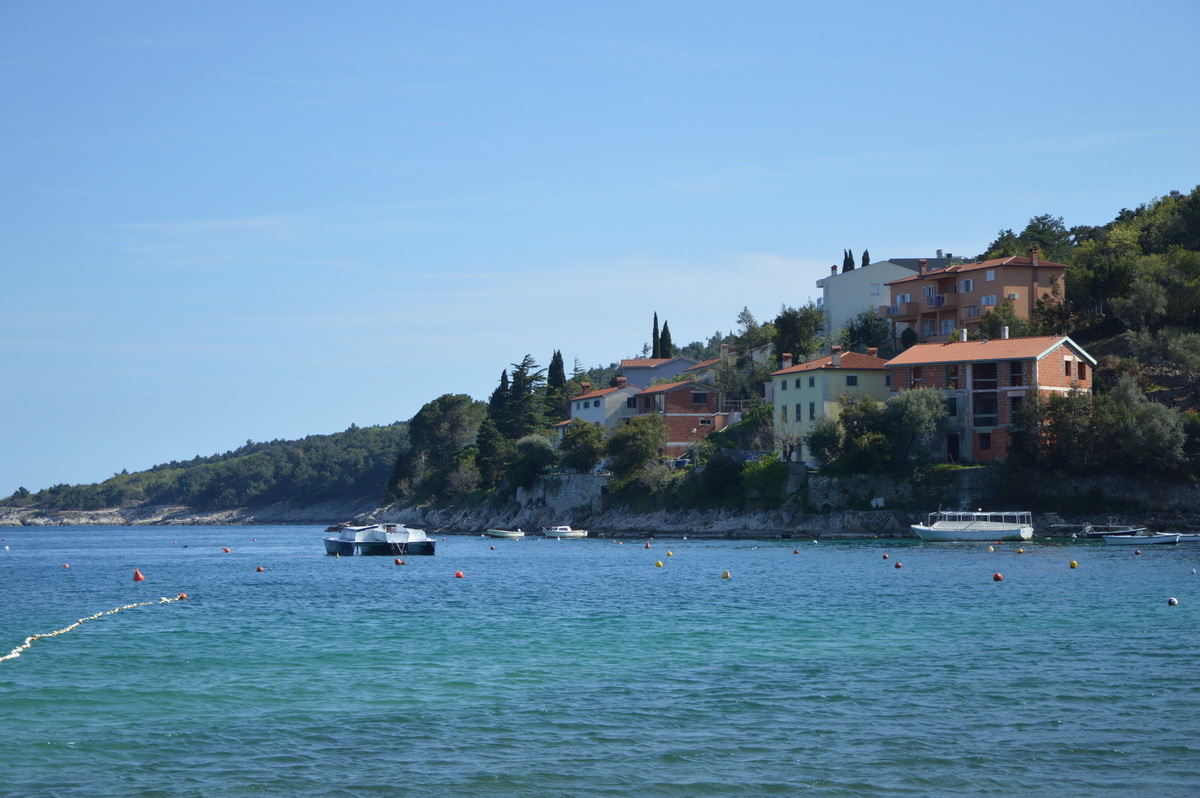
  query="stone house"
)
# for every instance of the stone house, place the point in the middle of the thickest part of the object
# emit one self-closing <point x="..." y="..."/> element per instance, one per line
<point x="811" y="391"/>
<point x="986" y="382"/>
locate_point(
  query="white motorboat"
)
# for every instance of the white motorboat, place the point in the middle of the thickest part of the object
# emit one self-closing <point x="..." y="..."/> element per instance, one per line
<point x="378" y="539"/>
<point x="563" y="531"/>
<point x="1142" y="538"/>
<point x="509" y="534"/>
<point x="947" y="525"/>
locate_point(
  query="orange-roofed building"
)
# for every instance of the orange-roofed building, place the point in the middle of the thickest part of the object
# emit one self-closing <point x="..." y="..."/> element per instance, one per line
<point x="935" y="303"/>
<point x="986" y="382"/>
<point x="804" y="394"/>
<point x="691" y="409"/>
<point x="605" y="406"/>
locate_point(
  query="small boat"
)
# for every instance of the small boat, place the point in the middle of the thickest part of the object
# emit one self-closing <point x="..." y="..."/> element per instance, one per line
<point x="510" y="534"/>
<point x="379" y="540"/>
<point x="1189" y="537"/>
<point x="1111" y="528"/>
<point x="563" y="532"/>
<point x="947" y="525"/>
<point x="1142" y="538"/>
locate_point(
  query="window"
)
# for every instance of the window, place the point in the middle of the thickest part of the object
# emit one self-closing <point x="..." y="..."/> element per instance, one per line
<point x="812" y="381"/>
<point x="903" y="298"/>
<point x="799" y="411"/>
<point x="973" y="312"/>
<point x="887" y="380"/>
<point x="1067" y="367"/>
<point x="929" y="290"/>
<point x="984" y="408"/>
<point x="699" y="398"/>
<point x="952" y="406"/>
<point x="990" y="299"/>
<point x="812" y="411"/>
<point x="1015" y="403"/>
<point x="851" y="379"/>
<point x="966" y="286"/>
<point x="706" y="422"/>
<point x="1016" y="373"/>
<point x="783" y="414"/>
<point x="916" y="376"/>
<point x="783" y="385"/>
<point x="952" y="376"/>
<point x="991" y="275"/>
<point x="1082" y="370"/>
<point x="797" y="384"/>
<point x="985" y="441"/>
<point x="985" y="377"/>
<point x="874" y="289"/>
<point x="947" y="327"/>
<point x="631" y="403"/>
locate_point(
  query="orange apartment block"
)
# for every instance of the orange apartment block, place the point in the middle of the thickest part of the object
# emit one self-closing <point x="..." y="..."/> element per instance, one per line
<point x="936" y="303"/>
<point x="986" y="382"/>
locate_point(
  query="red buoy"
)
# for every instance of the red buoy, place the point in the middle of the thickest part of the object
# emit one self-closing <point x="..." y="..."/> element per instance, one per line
<point x="182" y="597"/>
<point x="647" y="544"/>
<point x="795" y="551"/>
<point x="225" y="549"/>
<point x="899" y="565"/>
<point x="137" y="575"/>
<point x="458" y="574"/>
<point x="66" y="565"/>
<point x="997" y="577"/>
<point x="260" y="569"/>
<point x="400" y="561"/>
<point x="885" y="556"/>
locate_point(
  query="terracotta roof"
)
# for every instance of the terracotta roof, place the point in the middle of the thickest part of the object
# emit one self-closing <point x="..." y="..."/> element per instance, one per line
<point x="670" y="386"/>
<point x="601" y="392"/>
<point x="851" y="361"/>
<point x="650" y="362"/>
<point x="703" y="364"/>
<point x="983" y="351"/>
<point x="995" y="263"/>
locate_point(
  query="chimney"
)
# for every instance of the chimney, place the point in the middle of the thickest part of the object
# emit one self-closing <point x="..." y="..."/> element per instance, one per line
<point x="835" y="359"/>
<point x="724" y="356"/>
<point x="787" y="360"/>
<point x="921" y="263"/>
<point x="621" y="382"/>
<point x="1033" y="261"/>
<point x="1033" y="253"/>
<point x="962" y="334"/>
<point x="873" y="351"/>
<point x="587" y="386"/>
<point x="939" y="254"/>
<point x="1003" y="333"/>
<point x="833" y="269"/>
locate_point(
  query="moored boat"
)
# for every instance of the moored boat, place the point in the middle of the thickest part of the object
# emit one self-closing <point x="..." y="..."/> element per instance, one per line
<point x="951" y="525"/>
<point x="563" y="531"/>
<point x="510" y="534"/>
<point x="379" y="540"/>
<point x="1142" y="538"/>
<point x="1111" y="528"/>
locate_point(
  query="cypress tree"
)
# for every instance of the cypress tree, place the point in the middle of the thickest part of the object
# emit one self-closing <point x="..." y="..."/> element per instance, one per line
<point x="665" y="347"/>
<point x="847" y="261"/>
<point x="866" y="260"/>
<point x="655" y="348"/>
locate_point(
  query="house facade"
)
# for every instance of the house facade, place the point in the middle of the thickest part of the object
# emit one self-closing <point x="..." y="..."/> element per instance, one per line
<point x="808" y="392"/>
<point x="605" y="406"/>
<point x="936" y="302"/>
<point x="844" y="295"/>
<point x="640" y="372"/>
<point x="986" y="383"/>
<point x="691" y="410"/>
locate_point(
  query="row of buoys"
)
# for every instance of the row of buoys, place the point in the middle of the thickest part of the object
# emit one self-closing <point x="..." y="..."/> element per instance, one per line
<point x="29" y="641"/>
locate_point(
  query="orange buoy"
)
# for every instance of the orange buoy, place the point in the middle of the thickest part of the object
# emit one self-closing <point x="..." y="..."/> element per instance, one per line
<point x="899" y="565"/>
<point x="647" y="544"/>
<point x="260" y="569"/>
<point x="795" y="551"/>
<point x="400" y="561"/>
<point x="885" y="556"/>
<point x="997" y="577"/>
<point x="137" y="575"/>
<point x="65" y="565"/>
<point x="225" y="549"/>
<point x="182" y="597"/>
<point x="458" y="574"/>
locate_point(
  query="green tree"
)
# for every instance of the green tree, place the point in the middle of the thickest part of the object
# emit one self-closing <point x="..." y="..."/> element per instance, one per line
<point x="865" y="330"/>
<point x="635" y="445"/>
<point x="444" y="426"/>
<point x="825" y="443"/>
<point x="847" y="261"/>
<point x="914" y="418"/>
<point x="583" y="445"/>
<point x="524" y="405"/>
<point x="665" y="346"/>
<point x="1144" y="308"/>
<point x="655" y="341"/>
<point x="866" y="258"/>
<point x="1003" y="315"/>
<point x="797" y="331"/>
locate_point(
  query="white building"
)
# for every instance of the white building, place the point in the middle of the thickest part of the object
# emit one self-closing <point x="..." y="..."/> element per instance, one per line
<point x="846" y="294"/>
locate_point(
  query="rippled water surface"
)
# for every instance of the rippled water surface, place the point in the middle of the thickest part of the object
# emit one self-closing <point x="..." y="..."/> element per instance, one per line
<point x="579" y="668"/>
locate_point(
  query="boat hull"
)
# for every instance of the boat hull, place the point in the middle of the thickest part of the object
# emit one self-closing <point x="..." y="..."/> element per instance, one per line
<point x="505" y="534"/>
<point x="975" y="534"/>
<point x="1140" y="540"/>
<point x="378" y="548"/>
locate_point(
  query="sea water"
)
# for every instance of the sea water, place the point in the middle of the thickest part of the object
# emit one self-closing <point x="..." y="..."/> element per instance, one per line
<point x="584" y="668"/>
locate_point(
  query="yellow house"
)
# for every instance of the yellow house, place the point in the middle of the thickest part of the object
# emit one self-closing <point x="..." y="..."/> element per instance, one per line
<point x="809" y="392"/>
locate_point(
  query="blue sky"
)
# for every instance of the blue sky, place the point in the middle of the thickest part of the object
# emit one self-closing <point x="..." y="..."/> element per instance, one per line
<point x="229" y="221"/>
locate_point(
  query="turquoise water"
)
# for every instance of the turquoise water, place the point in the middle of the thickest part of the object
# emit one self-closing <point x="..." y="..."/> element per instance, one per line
<point x="578" y="668"/>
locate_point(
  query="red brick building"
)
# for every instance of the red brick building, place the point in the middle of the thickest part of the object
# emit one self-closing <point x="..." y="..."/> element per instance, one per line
<point x="690" y="409"/>
<point x="986" y="382"/>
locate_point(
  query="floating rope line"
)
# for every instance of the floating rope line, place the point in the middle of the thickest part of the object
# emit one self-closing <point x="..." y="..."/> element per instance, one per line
<point x="29" y="641"/>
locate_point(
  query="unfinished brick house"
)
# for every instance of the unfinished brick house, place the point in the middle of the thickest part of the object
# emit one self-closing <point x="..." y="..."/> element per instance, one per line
<point x="986" y="382"/>
<point x="691" y="409"/>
